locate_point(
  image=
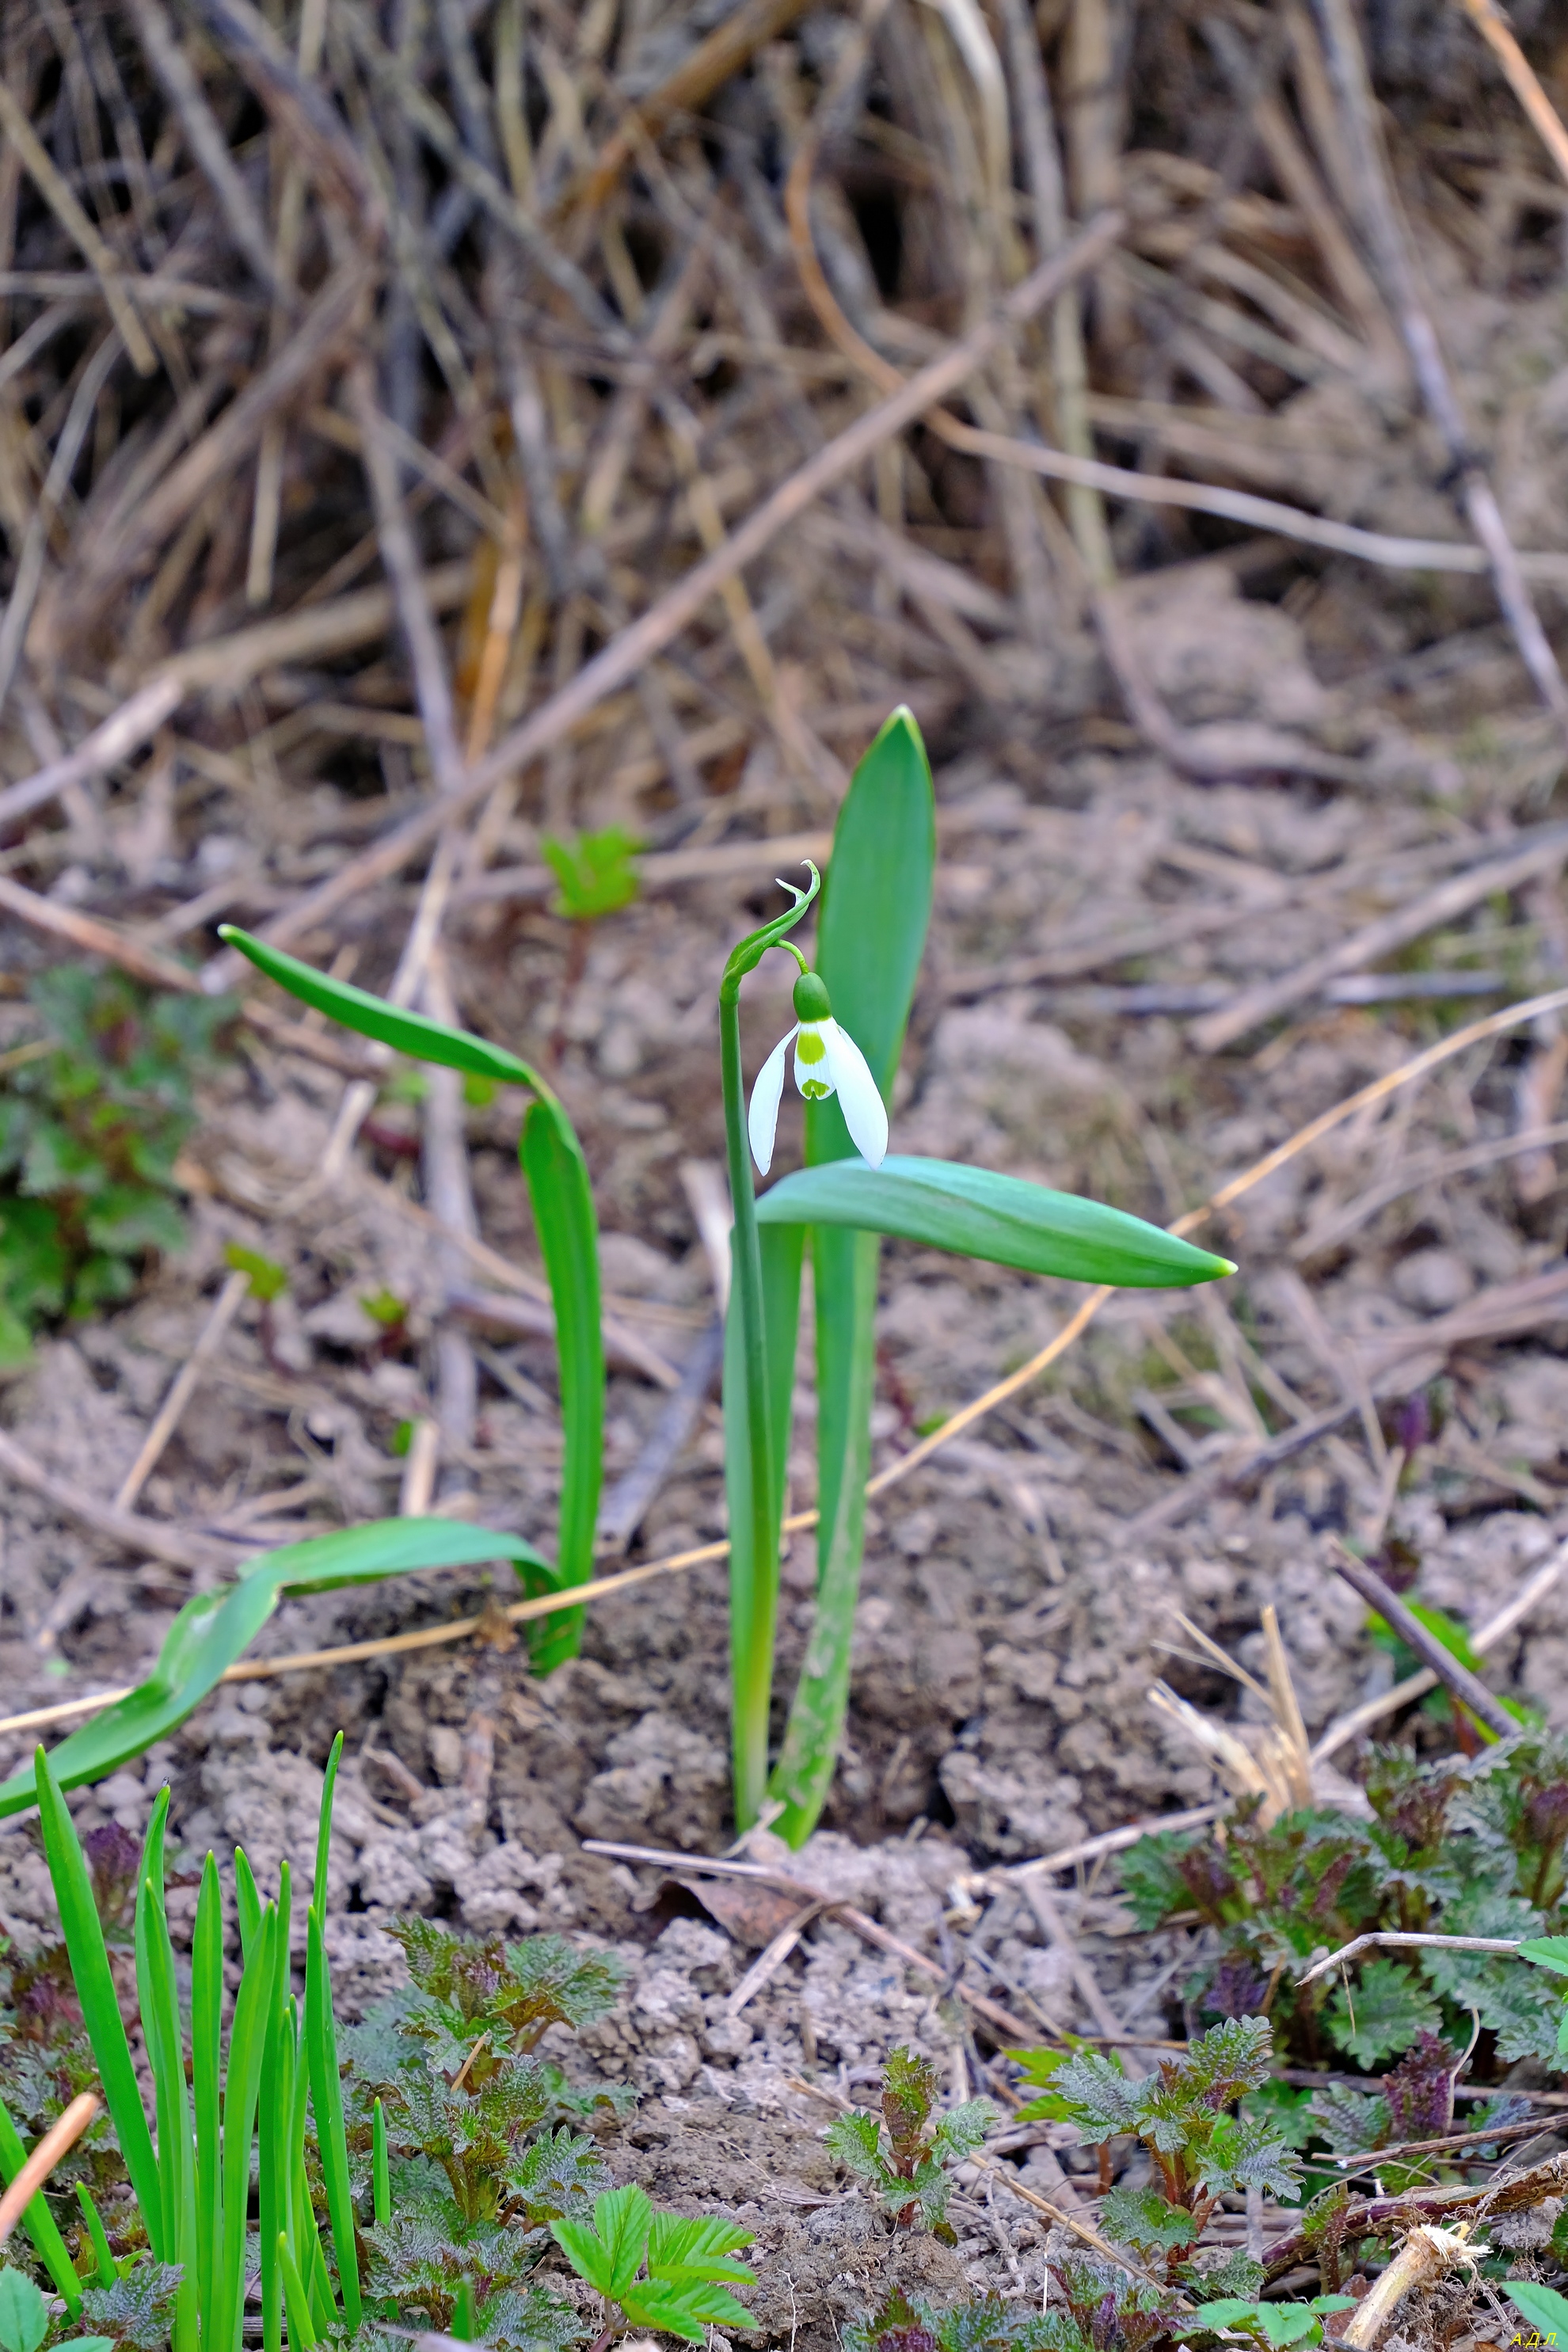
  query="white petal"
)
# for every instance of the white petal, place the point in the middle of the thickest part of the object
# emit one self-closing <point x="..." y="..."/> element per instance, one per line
<point x="864" y="1113"/>
<point x="763" y="1118"/>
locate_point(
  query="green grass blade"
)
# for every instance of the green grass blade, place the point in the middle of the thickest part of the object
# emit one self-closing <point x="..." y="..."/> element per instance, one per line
<point x="380" y="2167"/>
<point x="100" y="2003"/>
<point x="876" y="911"/>
<point x="324" y="1827"/>
<point x="160" y="2004"/>
<point x="327" y="2100"/>
<point x="275" y="2102"/>
<point x="1002" y="1219"/>
<point x="247" y="1902"/>
<point x="39" y="2222"/>
<point x="242" y="2084"/>
<point x="302" y="2336"/>
<point x="754" y="1586"/>
<point x="214" y="1629"/>
<point x="206" y="2029"/>
<point x="563" y="1203"/>
<point x="104" y="2272"/>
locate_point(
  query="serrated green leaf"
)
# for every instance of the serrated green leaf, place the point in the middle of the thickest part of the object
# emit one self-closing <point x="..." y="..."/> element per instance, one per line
<point x="1547" y="1952"/>
<point x="1384" y="2013"/>
<point x="213" y="1631"/>
<point x="24" y="2314"/>
<point x="702" y="2245"/>
<point x="1142" y="2219"/>
<point x="1545" y="2309"/>
<point x="1003" y="1220"/>
<point x="688" y="2310"/>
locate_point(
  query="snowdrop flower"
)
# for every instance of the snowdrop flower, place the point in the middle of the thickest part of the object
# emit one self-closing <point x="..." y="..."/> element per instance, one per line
<point x="826" y="1061"/>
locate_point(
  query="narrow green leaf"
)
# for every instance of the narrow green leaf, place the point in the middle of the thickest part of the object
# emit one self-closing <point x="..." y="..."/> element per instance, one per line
<point x="754" y="1590"/>
<point x="39" y="2222"/>
<point x="95" y="1991"/>
<point x="303" y="2336"/>
<point x="242" y="2084"/>
<point x="158" y="1997"/>
<point x="563" y="1203"/>
<point x="246" y="1902"/>
<point x="876" y="911"/>
<point x="273" y="2199"/>
<point x="327" y="2100"/>
<point x="465" y="2325"/>
<point x="215" y="1628"/>
<point x="380" y="2167"/>
<point x="1005" y="1220"/>
<point x="206" y="2026"/>
<point x="562" y="1198"/>
<point x="98" y="2237"/>
<point x="324" y="1827"/>
<point x="372" y="1016"/>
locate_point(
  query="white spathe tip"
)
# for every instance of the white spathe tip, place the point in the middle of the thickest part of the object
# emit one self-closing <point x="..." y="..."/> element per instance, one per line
<point x="763" y="1120"/>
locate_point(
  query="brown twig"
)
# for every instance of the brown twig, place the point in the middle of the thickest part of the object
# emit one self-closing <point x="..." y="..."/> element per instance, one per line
<point x="57" y="2141"/>
<point x="1466" y="1686"/>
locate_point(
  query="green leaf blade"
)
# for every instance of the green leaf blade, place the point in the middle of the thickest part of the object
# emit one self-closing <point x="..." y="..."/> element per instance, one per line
<point x="213" y="1632"/>
<point x="100" y="2003"/>
<point x="1005" y="1220"/>
<point x="372" y="1016"/>
<point x="562" y="1202"/>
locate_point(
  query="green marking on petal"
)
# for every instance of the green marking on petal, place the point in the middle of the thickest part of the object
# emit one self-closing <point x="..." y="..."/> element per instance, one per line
<point x="814" y="1091"/>
<point x="809" y="1047"/>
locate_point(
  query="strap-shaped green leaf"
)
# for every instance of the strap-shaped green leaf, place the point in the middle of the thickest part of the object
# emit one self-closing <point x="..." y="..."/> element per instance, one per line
<point x="1005" y="1220"/>
<point x="327" y="2099"/>
<point x="242" y="2084"/>
<point x="95" y="1991"/>
<point x="876" y="911"/>
<point x="213" y="1632"/>
<point x="371" y="1016"/>
<point x="562" y="1202"/>
<point x="754" y="1586"/>
<point x="207" y="2058"/>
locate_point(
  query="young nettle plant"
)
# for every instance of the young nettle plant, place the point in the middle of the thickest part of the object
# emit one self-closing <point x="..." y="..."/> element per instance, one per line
<point x="1199" y="2150"/>
<point x="899" y="2155"/>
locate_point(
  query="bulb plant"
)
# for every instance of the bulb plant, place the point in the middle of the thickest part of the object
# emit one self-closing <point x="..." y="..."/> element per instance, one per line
<point x="851" y="1007"/>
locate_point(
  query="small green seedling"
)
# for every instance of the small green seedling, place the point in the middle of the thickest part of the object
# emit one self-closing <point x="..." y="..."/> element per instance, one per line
<point x="90" y="1127"/>
<point x="267" y="1279"/>
<point x="985" y="2324"/>
<point x="595" y="873"/>
<point x="899" y="2156"/>
<point x="1268" y="2323"/>
<point x="1200" y="2151"/>
<point x="659" y="2270"/>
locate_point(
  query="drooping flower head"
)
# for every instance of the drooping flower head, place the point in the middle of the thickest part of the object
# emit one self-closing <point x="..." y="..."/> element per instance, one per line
<point x="826" y="1061"/>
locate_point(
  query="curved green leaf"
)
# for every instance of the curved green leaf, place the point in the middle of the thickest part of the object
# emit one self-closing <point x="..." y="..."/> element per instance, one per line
<point x="372" y="1016"/>
<point x="563" y="1202"/>
<point x="214" y="1629"/>
<point x="1002" y="1219"/>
